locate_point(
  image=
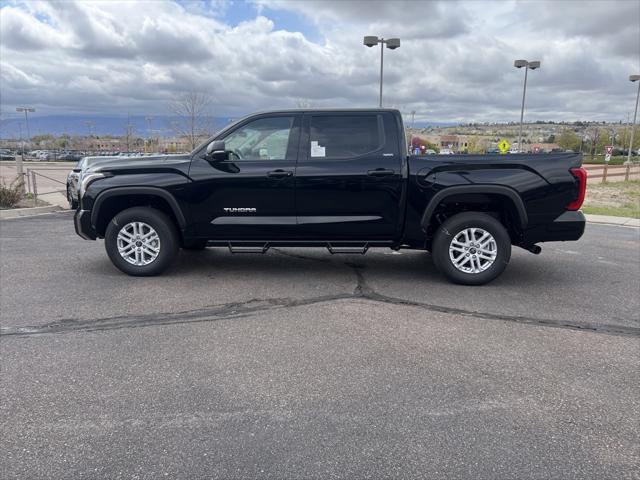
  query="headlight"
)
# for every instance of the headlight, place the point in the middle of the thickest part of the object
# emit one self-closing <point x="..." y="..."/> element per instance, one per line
<point x="86" y="180"/>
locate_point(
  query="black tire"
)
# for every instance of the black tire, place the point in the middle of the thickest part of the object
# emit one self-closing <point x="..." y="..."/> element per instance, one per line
<point x="457" y="224"/>
<point x="195" y="245"/>
<point x="165" y="230"/>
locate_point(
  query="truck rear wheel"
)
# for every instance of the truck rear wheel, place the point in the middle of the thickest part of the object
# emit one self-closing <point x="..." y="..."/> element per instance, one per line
<point x="471" y="248"/>
<point x="141" y="241"/>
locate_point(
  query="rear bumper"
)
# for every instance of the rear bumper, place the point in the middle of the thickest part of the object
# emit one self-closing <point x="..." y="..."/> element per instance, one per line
<point x="568" y="226"/>
<point x="82" y="224"/>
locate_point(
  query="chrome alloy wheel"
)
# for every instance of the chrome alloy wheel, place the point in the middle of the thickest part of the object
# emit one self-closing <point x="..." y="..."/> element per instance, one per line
<point x="473" y="250"/>
<point x="138" y="243"/>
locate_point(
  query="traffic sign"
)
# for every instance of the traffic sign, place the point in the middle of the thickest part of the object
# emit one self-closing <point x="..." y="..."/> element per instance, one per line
<point x="608" y="149"/>
<point x="607" y="157"/>
<point x="503" y="146"/>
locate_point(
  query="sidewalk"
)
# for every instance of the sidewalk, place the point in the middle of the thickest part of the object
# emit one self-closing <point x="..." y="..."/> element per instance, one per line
<point x="609" y="220"/>
<point x="27" y="212"/>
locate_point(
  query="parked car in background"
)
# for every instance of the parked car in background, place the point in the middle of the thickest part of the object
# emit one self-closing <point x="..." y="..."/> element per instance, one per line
<point x="446" y="151"/>
<point x="75" y="175"/>
<point x="70" y="156"/>
<point x="6" y="154"/>
<point x="46" y="156"/>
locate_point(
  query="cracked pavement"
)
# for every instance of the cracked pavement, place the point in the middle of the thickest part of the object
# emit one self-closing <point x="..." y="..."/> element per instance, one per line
<point x="299" y="364"/>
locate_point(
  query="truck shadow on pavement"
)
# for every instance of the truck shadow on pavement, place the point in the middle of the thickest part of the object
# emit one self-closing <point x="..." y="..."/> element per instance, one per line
<point x="313" y="264"/>
<point x="253" y="306"/>
<point x="417" y="266"/>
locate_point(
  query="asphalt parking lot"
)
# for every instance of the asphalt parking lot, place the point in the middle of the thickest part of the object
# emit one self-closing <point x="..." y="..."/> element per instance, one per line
<point x="298" y="364"/>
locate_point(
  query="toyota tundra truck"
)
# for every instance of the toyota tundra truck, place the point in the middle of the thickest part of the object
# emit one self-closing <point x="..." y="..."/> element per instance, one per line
<point x="340" y="179"/>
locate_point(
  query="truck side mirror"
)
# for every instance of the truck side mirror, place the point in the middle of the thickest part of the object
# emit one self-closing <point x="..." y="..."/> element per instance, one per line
<point x="216" y="151"/>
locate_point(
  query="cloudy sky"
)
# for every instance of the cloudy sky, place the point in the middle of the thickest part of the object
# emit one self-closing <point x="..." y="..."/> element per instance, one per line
<point x="455" y="62"/>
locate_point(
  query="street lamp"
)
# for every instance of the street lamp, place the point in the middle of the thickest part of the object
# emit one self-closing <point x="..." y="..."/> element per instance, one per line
<point x="633" y="78"/>
<point x="21" y="158"/>
<point x="392" y="44"/>
<point x="527" y="66"/>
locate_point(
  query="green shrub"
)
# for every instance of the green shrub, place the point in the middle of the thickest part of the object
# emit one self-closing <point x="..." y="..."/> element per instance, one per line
<point x="10" y="194"/>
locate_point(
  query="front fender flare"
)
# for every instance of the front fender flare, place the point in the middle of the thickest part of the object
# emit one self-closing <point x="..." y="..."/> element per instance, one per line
<point x="154" y="191"/>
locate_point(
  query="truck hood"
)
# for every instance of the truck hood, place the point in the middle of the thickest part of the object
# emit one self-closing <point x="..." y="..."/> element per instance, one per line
<point x="109" y="164"/>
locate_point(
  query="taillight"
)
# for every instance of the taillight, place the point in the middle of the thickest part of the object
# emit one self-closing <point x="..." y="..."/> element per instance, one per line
<point x="581" y="175"/>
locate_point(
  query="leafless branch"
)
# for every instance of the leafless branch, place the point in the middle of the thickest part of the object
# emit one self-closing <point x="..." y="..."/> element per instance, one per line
<point x="194" y="120"/>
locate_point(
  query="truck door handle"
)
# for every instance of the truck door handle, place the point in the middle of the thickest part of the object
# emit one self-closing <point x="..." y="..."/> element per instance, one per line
<point x="380" y="172"/>
<point x="279" y="173"/>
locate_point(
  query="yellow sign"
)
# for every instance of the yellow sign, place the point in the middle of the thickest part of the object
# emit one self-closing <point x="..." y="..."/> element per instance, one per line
<point x="503" y="146"/>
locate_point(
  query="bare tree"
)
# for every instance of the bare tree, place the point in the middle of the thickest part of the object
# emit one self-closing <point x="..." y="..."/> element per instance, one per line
<point x="128" y="133"/>
<point x="194" y="120"/>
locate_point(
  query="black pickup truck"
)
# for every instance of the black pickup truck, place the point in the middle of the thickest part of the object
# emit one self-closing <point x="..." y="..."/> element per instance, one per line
<point x="341" y="179"/>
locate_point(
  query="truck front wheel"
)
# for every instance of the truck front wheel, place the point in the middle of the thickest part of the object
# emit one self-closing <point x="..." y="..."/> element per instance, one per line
<point x="471" y="248"/>
<point x="141" y="241"/>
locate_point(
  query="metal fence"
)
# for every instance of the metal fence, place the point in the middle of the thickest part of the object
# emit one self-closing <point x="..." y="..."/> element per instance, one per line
<point x="32" y="183"/>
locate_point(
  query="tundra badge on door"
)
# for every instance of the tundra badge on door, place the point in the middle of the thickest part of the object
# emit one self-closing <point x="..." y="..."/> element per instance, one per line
<point x="240" y="209"/>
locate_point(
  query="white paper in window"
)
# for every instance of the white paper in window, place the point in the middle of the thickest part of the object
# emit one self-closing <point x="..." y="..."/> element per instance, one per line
<point x="317" y="150"/>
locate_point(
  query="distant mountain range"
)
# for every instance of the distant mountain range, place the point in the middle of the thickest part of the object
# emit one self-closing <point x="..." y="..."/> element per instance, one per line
<point x="158" y="125"/>
<point x="97" y="125"/>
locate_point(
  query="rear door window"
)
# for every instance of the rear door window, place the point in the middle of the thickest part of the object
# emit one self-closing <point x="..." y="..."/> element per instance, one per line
<point x="344" y="136"/>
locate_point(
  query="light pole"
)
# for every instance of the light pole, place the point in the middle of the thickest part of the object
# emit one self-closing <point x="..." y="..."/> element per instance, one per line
<point x="633" y="78"/>
<point x="20" y="159"/>
<point x="527" y="66"/>
<point x="392" y="44"/>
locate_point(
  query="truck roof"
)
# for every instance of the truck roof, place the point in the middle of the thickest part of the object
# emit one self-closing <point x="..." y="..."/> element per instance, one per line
<point x="325" y="110"/>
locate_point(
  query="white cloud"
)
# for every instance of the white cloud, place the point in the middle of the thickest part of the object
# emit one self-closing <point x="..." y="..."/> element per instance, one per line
<point x="455" y="63"/>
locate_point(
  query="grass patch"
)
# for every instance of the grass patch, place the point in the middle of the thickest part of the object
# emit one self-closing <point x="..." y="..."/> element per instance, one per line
<point x="629" y="210"/>
<point x="619" y="199"/>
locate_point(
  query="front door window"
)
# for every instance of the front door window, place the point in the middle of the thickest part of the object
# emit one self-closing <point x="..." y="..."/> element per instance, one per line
<point x="262" y="139"/>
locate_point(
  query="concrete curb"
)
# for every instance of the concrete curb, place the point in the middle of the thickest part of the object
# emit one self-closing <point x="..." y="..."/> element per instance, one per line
<point x="28" y="212"/>
<point x="610" y="220"/>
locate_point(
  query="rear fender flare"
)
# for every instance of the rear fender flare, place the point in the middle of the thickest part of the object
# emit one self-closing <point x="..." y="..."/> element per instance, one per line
<point x="462" y="189"/>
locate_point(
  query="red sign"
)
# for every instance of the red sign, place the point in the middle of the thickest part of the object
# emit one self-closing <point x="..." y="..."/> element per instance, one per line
<point x="608" y="149"/>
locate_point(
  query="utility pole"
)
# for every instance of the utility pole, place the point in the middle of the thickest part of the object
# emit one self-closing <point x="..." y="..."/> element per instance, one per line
<point x="633" y="78"/>
<point x="20" y="159"/>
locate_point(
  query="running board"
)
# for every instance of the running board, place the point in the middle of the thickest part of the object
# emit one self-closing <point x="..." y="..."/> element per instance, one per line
<point x="238" y="248"/>
<point x="352" y="249"/>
